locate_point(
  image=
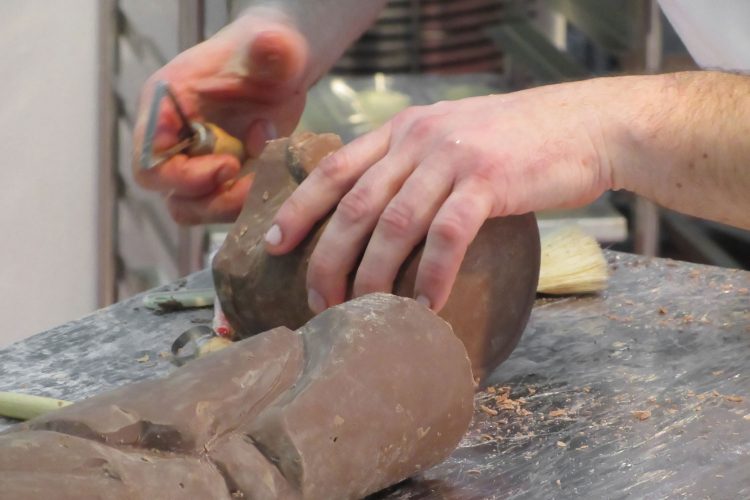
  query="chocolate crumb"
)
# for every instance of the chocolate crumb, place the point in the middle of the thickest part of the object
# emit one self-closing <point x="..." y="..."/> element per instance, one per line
<point x="641" y="414"/>
<point x="489" y="411"/>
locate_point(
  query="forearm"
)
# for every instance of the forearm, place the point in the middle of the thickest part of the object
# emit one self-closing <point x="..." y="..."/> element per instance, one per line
<point x="683" y="141"/>
<point x="328" y="26"/>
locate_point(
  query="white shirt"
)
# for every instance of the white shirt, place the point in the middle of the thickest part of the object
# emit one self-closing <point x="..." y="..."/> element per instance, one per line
<point x="715" y="32"/>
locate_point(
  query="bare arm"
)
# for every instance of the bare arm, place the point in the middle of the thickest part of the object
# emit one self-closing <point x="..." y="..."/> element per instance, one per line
<point x="686" y="144"/>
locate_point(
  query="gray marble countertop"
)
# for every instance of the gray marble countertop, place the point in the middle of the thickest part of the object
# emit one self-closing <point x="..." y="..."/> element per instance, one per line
<point x="640" y="392"/>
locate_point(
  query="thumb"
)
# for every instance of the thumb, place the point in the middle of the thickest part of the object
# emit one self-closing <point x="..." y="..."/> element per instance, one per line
<point x="276" y="56"/>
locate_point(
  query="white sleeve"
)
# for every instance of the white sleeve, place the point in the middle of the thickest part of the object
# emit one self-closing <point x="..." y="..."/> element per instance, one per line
<point x="716" y="33"/>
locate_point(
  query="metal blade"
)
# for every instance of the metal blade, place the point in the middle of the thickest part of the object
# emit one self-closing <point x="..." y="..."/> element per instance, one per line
<point x="168" y="153"/>
<point x="160" y="90"/>
<point x="186" y="134"/>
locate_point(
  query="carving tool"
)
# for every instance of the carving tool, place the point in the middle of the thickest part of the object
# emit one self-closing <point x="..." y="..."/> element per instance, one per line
<point x="179" y="299"/>
<point x="195" y="342"/>
<point x="195" y="138"/>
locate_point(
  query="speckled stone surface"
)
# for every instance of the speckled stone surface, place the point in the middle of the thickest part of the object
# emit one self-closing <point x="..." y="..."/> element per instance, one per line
<point x="640" y="392"/>
<point x="101" y="351"/>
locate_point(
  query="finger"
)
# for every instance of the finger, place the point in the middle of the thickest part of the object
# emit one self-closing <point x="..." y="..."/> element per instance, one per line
<point x="277" y="55"/>
<point x="167" y="129"/>
<point x="403" y="224"/>
<point x="324" y="187"/>
<point x="193" y="177"/>
<point x="224" y="205"/>
<point x="349" y="228"/>
<point x="258" y="134"/>
<point x="453" y="229"/>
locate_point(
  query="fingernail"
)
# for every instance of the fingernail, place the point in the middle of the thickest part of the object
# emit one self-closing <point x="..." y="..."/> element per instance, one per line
<point x="225" y="174"/>
<point x="424" y="301"/>
<point x="273" y="235"/>
<point x="269" y="130"/>
<point x="315" y="302"/>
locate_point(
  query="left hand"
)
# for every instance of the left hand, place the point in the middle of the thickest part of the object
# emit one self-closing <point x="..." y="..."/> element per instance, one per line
<point x="439" y="172"/>
<point x="251" y="80"/>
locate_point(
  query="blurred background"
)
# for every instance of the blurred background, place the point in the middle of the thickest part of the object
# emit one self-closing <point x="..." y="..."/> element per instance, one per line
<point x="78" y="233"/>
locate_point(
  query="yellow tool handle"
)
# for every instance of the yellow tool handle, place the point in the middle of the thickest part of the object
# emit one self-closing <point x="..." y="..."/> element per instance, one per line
<point x="25" y="406"/>
<point x="212" y="139"/>
<point x="225" y="143"/>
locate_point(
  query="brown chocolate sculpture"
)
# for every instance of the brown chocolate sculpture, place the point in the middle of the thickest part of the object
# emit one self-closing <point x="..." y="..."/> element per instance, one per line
<point x="361" y="397"/>
<point x="488" y="307"/>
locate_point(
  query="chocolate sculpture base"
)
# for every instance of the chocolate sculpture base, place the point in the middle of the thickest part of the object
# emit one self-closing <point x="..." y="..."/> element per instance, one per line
<point x="361" y="397"/>
<point x="488" y="307"/>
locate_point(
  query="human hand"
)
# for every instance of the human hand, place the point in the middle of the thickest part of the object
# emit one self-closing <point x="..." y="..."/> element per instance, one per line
<point x="250" y="80"/>
<point x="438" y="172"/>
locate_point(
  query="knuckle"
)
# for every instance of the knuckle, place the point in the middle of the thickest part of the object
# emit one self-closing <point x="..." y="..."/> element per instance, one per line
<point x="404" y="118"/>
<point x="432" y="272"/>
<point x="449" y="230"/>
<point x="355" y="205"/>
<point x="424" y="127"/>
<point x="397" y="220"/>
<point x="320" y="268"/>
<point x="333" y="167"/>
<point x="485" y="171"/>
<point x="405" y="115"/>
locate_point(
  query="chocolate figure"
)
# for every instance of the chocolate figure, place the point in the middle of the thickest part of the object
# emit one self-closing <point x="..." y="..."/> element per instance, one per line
<point x="363" y="396"/>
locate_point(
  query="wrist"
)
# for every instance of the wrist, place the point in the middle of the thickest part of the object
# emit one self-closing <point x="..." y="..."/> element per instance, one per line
<point x="635" y="110"/>
<point x="684" y="143"/>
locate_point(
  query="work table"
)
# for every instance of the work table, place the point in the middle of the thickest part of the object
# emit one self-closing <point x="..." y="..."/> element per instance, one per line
<point x="641" y="391"/>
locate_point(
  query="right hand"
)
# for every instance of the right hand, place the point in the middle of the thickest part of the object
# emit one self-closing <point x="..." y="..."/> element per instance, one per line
<point x="435" y="174"/>
<point x="250" y="80"/>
